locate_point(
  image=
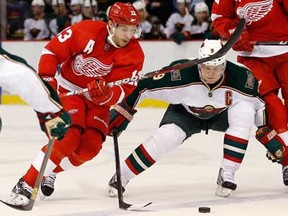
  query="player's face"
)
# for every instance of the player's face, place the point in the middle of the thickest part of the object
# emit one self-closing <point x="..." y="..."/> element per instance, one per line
<point x="143" y="14"/>
<point x="202" y="16"/>
<point x="211" y="74"/>
<point x="123" y="34"/>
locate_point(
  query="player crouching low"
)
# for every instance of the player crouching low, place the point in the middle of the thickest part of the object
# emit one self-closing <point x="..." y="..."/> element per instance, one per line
<point x="217" y="95"/>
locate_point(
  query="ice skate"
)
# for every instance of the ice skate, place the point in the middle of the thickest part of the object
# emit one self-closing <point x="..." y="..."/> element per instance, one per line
<point x="285" y="175"/>
<point x="47" y="185"/>
<point x="20" y="194"/>
<point x="112" y="186"/>
<point x="225" y="182"/>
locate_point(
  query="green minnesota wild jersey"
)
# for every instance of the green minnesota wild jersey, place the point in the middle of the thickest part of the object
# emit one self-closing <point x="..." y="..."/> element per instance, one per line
<point x="204" y="101"/>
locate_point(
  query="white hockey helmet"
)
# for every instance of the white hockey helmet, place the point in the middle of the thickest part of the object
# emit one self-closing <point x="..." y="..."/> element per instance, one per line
<point x="201" y="7"/>
<point x="139" y="4"/>
<point x="38" y="2"/>
<point x="76" y="2"/>
<point x="183" y="1"/>
<point x="210" y="47"/>
<point x="57" y="2"/>
<point x="89" y="3"/>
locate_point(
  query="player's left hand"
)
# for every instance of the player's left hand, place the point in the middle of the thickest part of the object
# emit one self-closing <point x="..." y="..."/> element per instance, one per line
<point x="55" y="124"/>
<point x="243" y="44"/>
<point x="120" y="116"/>
<point x="99" y="92"/>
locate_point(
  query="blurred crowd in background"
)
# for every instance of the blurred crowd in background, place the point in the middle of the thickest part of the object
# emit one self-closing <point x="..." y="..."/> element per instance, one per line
<point x="176" y="20"/>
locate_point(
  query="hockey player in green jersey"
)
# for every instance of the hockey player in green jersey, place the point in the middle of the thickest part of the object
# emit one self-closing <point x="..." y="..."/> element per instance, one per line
<point x="17" y="77"/>
<point x="216" y="95"/>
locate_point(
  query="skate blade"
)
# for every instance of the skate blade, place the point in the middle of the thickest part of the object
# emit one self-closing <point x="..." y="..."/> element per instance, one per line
<point x="223" y="192"/>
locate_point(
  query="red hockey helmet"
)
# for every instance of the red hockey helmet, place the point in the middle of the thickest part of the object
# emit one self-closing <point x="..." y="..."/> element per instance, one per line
<point x="124" y="13"/>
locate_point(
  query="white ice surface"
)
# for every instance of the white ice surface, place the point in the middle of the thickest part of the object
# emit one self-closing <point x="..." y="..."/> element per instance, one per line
<point x="178" y="184"/>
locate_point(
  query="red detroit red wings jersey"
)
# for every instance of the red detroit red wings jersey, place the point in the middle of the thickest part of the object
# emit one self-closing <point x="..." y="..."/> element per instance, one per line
<point x="84" y="53"/>
<point x="267" y="20"/>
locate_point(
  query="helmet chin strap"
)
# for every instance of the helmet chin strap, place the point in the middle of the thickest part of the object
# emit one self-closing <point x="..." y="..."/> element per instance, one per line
<point x="109" y="38"/>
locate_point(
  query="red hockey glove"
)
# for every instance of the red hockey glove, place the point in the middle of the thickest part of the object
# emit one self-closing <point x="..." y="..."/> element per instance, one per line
<point x="120" y="116"/>
<point x="99" y="92"/>
<point x="272" y="142"/>
<point x="51" y="81"/>
<point x="54" y="124"/>
<point x="242" y="44"/>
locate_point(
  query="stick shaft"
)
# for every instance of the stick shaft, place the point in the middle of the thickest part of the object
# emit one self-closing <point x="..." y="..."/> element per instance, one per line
<point x="270" y="43"/>
<point x="118" y="168"/>
<point x="40" y="174"/>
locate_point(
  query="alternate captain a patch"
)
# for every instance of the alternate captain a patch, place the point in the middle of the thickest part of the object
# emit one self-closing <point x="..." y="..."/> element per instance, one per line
<point x="175" y="75"/>
<point x="250" y="80"/>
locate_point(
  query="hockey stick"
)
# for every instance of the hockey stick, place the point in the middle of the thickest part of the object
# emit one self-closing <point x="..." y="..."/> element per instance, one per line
<point x="270" y="43"/>
<point x="40" y="175"/>
<point x="227" y="46"/>
<point x="122" y="204"/>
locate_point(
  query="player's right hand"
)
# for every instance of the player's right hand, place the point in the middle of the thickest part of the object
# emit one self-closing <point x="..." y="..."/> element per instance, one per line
<point x="120" y="116"/>
<point x="243" y="44"/>
<point x="55" y="124"/>
<point x="99" y="92"/>
<point x="275" y="146"/>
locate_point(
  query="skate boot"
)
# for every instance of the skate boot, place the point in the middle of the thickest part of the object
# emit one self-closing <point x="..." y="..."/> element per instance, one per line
<point x="113" y="187"/>
<point x="47" y="184"/>
<point x="225" y="182"/>
<point x="20" y="194"/>
<point x="285" y="175"/>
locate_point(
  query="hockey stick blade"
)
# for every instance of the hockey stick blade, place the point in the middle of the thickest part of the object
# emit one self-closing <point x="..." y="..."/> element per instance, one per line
<point x="227" y="46"/>
<point x="18" y="207"/>
<point x="134" y="207"/>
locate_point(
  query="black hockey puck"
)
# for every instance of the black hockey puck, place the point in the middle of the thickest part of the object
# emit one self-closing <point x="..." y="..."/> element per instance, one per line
<point x="204" y="209"/>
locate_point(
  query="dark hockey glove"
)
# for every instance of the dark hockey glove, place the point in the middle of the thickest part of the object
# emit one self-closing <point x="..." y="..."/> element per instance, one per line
<point x="272" y="158"/>
<point x="272" y="142"/>
<point x="120" y="116"/>
<point x="54" y="124"/>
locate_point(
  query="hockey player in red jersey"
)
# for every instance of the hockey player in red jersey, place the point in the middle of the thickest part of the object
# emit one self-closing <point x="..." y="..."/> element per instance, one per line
<point x="267" y="20"/>
<point x="91" y="54"/>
